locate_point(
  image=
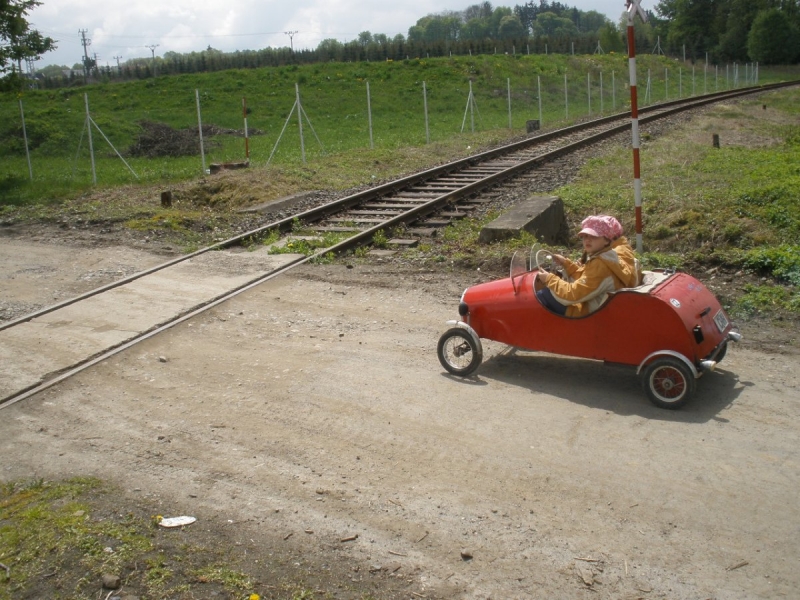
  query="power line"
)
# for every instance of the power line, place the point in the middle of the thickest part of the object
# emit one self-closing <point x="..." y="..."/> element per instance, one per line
<point x="153" y="51"/>
<point x="291" y="35"/>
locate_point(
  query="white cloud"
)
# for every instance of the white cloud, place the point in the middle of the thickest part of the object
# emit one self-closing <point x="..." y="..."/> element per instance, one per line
<point x="126" y="27"/>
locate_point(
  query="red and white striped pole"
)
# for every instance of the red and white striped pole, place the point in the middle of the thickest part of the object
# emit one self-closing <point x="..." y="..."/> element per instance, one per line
<point x="632" y="9"/>
<point x="246" y="137"/>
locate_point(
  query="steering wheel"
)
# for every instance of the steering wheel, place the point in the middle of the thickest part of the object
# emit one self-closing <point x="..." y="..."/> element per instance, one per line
<point x="544" y="260"/>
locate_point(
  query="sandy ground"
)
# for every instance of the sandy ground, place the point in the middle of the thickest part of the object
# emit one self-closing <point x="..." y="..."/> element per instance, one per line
<point x="313" y="409"/>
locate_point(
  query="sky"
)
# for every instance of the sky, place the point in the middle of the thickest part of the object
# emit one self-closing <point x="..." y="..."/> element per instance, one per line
<point x="142" y="28"/>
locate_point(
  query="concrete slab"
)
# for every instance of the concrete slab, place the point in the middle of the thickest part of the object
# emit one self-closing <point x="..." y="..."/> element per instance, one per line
<point x="541" y="216"/>
<point x="277" y="204"/>
<point x="58" y="340"/>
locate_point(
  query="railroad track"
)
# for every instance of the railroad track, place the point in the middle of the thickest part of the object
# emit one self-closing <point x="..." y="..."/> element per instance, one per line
<point x="418" y="205"/>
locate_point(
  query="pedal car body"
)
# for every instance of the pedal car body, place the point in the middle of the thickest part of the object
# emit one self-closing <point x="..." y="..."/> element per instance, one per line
<point x="671" y="328"/>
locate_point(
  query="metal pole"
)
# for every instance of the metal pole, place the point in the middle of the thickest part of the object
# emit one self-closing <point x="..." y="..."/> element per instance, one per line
<point x="25" y="137"/>
<point x="601" y="92"/>
<point x="539" y="93"/>
<point x="666" y="84"/>
<point x="425" y="106"/>
<point x="566" y="98"/>
<point x="632" y="7"/>
<point x="613" y="90"/>
<point x="369" y="118"/>
<point x="300" y="121"/>
<point x="508" y="84"/>
<point x="246" y="136"/>
<point x="200" y="130"/>
<point x="91" y="147"/>
<point x="471" y="109"/>
<point x="680" y="83"/>
<point x="589" y="91"/>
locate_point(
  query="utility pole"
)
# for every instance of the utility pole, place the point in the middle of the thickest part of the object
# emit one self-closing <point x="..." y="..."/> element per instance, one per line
<point x="291" y="35"/>
<point x="86" y="42"/>
<point x="116" y="58"/>
<point x="153" y="52"/>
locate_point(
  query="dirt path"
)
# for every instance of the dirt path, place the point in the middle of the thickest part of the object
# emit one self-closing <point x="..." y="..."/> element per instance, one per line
<point x="315" y="406"/>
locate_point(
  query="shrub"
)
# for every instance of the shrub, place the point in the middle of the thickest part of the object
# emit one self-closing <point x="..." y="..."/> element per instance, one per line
<point x="782" y="262"/>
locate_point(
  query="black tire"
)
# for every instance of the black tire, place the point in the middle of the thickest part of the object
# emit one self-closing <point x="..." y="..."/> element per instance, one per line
<point x="668" y="383"/>
<point x="458" y="352"/>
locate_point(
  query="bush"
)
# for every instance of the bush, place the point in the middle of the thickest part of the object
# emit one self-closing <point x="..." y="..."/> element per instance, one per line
<point x="782" y="262"/>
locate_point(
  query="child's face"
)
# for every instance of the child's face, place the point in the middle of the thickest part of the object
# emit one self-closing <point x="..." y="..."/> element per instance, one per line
<point x="592" y="244"/>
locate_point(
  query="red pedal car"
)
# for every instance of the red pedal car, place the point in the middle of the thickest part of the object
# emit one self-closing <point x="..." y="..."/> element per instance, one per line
<point x="671" y="328"/>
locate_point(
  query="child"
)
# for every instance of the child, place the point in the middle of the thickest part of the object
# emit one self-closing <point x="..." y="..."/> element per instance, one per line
<point x="608" y="264"/>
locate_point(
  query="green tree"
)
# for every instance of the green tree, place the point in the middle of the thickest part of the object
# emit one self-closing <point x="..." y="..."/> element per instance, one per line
<point x="611" y="38"/>
<point x="330" y="49"/>
<point x="690" y="24"/>
<point x="551" y="24"/>
<point x="18" y="41"/>
<point x="475" y="29"/>
<point x="773" y="38"/>
<point x="591" y="21"/>
<point x="510" y="28"/>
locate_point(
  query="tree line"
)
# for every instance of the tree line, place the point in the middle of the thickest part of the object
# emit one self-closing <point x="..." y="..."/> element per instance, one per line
<point x="715" y="30"/>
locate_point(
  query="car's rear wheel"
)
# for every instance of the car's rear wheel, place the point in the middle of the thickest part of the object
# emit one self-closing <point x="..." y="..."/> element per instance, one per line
<point x="458" y="352"/>
<point x="668" y="382"/>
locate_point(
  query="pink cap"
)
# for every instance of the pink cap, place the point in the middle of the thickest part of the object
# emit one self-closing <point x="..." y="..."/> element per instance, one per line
<point x="601" y="226"/>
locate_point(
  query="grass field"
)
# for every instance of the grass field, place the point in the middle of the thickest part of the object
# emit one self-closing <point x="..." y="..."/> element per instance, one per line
<point x="335" y="107"/>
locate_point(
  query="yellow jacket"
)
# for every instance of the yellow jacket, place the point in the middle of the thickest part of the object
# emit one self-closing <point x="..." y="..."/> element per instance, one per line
<point x="587" y="285"/>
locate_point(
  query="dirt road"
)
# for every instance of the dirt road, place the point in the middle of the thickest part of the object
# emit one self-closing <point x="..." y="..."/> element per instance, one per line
<point x="315" y="406"/>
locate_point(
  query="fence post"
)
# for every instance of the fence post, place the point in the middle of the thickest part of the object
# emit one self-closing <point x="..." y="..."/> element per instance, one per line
<point x="601" y="92"/>
<point x="300" y="121"/>
<point x="425" y="106"/>
<point x="614" y="90"/>
<point x="566" y="98"/>
<point x="508" y="84"/>
<point x="539" y="93"/>
<point x="246" y="136"/>
<point x="589" y="91"/>
<point x="25" y="137"/>
<point x="369" y="118"/>
<point x="91" y="147"/>
<point x="200" y="130"/>
<point x="471" y="101"/>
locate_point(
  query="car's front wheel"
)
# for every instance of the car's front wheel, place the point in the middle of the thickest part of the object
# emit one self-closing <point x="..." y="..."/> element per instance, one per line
<point x="668" y="382"/>
<point x="458" y="352"/>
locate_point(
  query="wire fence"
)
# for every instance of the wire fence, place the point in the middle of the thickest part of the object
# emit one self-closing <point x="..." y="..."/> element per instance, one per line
<point x="102" y="139"/>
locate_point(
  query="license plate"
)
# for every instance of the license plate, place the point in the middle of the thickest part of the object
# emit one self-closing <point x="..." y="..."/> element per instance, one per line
<point x="721" y="321"/>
